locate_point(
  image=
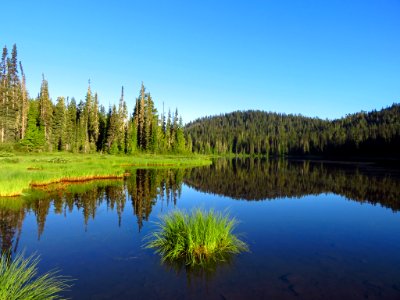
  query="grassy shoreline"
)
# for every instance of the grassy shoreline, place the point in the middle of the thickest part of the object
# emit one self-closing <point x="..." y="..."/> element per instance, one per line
<point x="19" y="172"/>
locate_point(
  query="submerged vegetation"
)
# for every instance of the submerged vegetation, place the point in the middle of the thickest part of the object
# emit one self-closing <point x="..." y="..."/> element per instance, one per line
<point x="19" y="280"/>
<point x="195" y="238"/>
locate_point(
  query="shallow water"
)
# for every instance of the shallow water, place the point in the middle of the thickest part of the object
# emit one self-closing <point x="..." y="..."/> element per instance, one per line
<point x="316" y="230"/>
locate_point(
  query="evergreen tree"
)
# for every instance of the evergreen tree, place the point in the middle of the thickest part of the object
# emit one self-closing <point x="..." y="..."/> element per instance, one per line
<point x="71" y="128"/>
<point x="180" y="143"/>
<point x="101" y="141"/>
<point x="24" y="104"/>
<point x="112" y="129"/>
<point x="34" y="139"/>
<point x="3" y="95"/>
<point x="121" y="134"/>
<point x="93" y="119"/>
<point x="59" y="134"/>
<point x="82" y="141"/>
<point x="46" y="112"/>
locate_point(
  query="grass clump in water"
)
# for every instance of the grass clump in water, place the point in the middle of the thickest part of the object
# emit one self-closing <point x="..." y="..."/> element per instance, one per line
<point x="196" y="238"/>
<point x="19" y="280"/>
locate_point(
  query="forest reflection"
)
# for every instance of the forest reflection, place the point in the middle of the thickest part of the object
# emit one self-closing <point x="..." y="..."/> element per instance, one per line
<point x="258" y="179"/>
<point x="141" y="191"/>
<point x="247" y="179"/>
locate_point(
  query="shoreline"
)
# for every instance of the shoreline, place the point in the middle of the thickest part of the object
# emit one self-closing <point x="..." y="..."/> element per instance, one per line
<point x="22" y="172"/>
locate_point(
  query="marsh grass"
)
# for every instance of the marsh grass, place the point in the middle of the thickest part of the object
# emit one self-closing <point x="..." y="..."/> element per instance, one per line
<point x="196" y="238"/>
<point x="19" y="172"/>
<point x="19" y="280"/>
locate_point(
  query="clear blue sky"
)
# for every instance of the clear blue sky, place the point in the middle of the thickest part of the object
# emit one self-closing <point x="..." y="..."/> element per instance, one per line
<point x="316" y="58"/>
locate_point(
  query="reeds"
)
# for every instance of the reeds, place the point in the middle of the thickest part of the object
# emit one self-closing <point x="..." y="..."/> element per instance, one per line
<point x="19" y="280"/>
<point x="196" y="238"/>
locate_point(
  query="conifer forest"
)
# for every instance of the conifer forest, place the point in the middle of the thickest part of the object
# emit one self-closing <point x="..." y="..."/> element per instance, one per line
<point x="39" y="124"/>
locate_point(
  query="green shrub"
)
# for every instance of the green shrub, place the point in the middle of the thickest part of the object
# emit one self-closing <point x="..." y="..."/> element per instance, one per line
<point x="19" y="280"/>
<point x="196" y="238"/>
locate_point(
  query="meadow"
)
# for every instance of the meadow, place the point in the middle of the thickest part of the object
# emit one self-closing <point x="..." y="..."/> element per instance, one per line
<point x="20" y="172"/>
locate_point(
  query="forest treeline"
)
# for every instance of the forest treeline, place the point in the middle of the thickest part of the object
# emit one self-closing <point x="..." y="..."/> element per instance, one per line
<point x="38" y="124"/>
<point x="376" y="133"/>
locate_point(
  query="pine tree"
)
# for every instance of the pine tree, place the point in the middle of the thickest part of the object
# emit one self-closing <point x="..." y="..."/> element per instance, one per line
<point x="59" y="125"/>
<point x="168" y="132"/>
<point x="10" y="93"/>
<point x="46" y="112"/>
<point x="82" y="141"/>
<point x="71" y="130"/>
<point x="121" y="126"/>
<point x="15" y="96"/>
<point x="24" y="104"/>
<point x="141" y="119"/>
<point x="34" y="139"/>
<point x="3" y="94"/>
<point x="112" y="145"/>
<point x="180" y="143"/>
<point x="93" y="122"/>
<point x="102" y="139"/>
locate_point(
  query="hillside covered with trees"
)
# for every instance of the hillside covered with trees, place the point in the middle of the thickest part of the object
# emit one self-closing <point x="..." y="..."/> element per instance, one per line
<point x="39" y="124"/>
<point x="265" y="133"/>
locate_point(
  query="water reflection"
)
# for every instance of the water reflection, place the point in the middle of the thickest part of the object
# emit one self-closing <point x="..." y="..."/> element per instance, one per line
<point x="257" y="179"/>
<point x="12" y="214"/>
<point x="250" y="179"/>
<point x="141" y="190"/>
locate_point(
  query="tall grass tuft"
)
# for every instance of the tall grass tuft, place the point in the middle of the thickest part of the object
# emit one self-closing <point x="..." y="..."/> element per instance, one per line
<point x="19" y="280"/>
<point x="196" y="238"/>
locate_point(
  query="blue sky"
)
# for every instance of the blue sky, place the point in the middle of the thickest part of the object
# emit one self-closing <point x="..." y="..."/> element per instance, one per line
<point x="316" y="58"/>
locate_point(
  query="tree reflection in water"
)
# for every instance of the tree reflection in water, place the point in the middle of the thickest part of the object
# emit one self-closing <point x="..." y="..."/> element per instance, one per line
<point x="142" y="189"/>
<point x="249" y="179"/>
<point x="258" y="179"/>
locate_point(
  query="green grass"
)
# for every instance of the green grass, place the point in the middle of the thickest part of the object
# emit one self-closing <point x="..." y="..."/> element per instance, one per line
<point x="20" y="171"/>
<point x="195" y="238"/>
<point x="19" y="280"/>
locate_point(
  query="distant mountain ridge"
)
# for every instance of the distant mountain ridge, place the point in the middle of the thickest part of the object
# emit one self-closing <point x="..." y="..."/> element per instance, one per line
<point x="255" y="132"/>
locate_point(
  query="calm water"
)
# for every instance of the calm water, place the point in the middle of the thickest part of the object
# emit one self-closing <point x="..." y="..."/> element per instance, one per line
<point x="316" y="231"/>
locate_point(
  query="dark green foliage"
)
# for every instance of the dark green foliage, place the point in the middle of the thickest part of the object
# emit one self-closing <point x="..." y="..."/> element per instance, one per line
<point x="39" y="125"/>
<point x="59" y="125"/>
<point x="262" y="133"/>
<point x="46" y="113"/>
<point x="34" y="139"/>
<point x="13" y="98"/>
<point x="153" y="134"/>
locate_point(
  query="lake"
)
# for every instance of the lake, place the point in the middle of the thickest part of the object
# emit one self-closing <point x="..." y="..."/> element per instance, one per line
<point x="316" y="230"/>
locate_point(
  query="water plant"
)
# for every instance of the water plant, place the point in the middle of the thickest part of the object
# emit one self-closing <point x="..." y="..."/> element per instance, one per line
<point x="195" y="238"/>
<point x="19" y="280"/>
